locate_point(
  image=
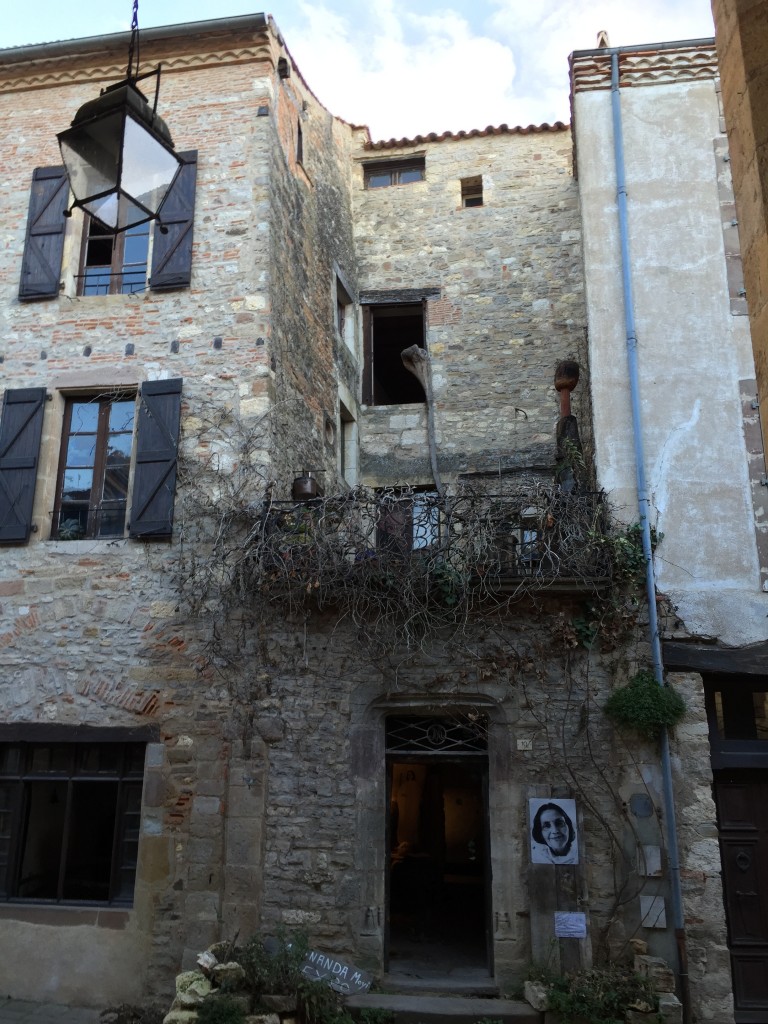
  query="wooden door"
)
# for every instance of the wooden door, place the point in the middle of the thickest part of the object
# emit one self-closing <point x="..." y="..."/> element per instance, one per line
<point x="742" y="809"/>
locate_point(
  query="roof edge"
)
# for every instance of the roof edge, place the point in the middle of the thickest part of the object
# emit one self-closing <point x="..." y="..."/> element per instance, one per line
<point x="120" y="40"/>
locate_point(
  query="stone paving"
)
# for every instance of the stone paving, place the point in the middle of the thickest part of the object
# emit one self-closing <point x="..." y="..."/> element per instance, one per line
<point x="24" y="1011"/>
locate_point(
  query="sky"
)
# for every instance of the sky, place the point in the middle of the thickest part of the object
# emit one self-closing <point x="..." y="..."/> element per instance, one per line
<point x="407" y="67"/>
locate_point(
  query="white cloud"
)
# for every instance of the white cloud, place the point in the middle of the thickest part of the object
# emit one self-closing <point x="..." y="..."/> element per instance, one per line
<point x="405" y="72"/>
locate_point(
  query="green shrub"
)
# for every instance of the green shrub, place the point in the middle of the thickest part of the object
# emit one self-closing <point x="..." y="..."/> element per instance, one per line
<point x="319" y="1004"/>
<point x="220" y="1009"/>
<point x="600" y="995"/>
<point x="273" y="965"/>
<point x="644" y="706"/>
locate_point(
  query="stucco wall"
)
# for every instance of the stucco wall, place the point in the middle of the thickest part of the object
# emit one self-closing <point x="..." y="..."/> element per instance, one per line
<point x="692" y="351"/>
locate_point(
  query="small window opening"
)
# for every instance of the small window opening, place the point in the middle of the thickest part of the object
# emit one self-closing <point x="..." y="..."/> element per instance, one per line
<point x="347" y="446"/>
<point x="472" y="191"/>
<point x="299" y="144"/>
<point x="345" y="316"/>
<point x="390" y="330"/>
<point x="394" y="172"/>
<point x="114" y="264"/>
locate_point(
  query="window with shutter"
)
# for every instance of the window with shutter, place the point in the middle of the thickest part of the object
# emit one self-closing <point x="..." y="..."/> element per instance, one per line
<point x="44" y="244"/>
<point x="109" y="264"/>
<point x="104" y="435"/>
<point x="20" y="432"/>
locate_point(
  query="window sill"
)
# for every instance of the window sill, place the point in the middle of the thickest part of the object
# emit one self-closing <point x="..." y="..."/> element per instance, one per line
<point x="65" y="916"/>
<point x="87" y="545"/>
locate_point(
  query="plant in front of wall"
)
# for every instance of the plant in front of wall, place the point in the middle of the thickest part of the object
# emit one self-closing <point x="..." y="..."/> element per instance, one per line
<point x="599" y="995"/>
<point x="273" y="965"/>
<point x="319" y="1004"/>
<point x="645" y="707"/>
<point x="220" y="1009"/>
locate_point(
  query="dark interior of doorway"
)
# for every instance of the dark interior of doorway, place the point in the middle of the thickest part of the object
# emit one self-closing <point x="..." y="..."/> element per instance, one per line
<point x="438" y="870"/>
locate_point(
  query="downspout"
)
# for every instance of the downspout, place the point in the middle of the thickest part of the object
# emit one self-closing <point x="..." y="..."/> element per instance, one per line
<point x="678" y="914"/>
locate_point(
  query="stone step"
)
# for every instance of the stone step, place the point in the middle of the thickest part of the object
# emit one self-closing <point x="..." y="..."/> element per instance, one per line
<point x="428" y="1009"/>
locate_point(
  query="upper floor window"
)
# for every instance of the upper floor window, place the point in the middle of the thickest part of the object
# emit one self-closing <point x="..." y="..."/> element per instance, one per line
<point x="394" y="172"/>
<point x="108" y="265"/>
<point x="472" y="191"/>
<point x="408" y="522"/>
<point x="92" y="490"/>
<point x="388" y="330"/>
<point x="113" y="264"/>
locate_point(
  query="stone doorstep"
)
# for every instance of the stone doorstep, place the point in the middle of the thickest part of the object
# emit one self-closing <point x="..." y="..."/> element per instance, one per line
<point x="425" y="1009"/>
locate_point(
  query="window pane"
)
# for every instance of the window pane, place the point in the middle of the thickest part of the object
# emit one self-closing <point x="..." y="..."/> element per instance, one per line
<point x="411" y="174"/>
<point x="128" y="841"/>
<point x="77" y="485"/>
<point x="90" y="839"/>
<point x="81" y="450"/>
<point x="426" y="521"/>
<point x="95" y="758"/>
<point x="43" y="837"/>
<point x="136" y="246"/>
<point x="116" y="483"/>
<point x="85" y="417"/>
<point x="111" y="523"/>
<point x="54" y="758"/>
<point x="73" y="522"/>
<point x="121" y="415"/>
<point x="379" y="180"/>
<point x="96" y="282"/>
<point x="134" y="759"/>
<point x="10" y="759"/>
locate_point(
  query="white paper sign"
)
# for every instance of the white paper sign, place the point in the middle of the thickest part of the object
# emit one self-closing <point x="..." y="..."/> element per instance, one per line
<point x="570" y="926"/>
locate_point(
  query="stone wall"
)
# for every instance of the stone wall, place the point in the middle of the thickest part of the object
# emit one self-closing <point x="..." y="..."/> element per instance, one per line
<point x="509" y="302"/>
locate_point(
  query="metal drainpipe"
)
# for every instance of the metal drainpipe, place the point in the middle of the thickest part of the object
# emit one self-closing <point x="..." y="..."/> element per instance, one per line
<point x="645" y="525"/>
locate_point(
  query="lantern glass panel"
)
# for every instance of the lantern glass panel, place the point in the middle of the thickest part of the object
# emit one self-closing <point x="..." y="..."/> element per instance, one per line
<point x="91" y="154"/>
<point x="148" y="167"/>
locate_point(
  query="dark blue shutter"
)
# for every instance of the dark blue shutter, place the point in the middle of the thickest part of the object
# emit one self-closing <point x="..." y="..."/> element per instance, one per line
<point x="21" y="427"/>
<point x="157" y="442"/>
<point x="44" y="244"/>
<point x="172" y="252"/>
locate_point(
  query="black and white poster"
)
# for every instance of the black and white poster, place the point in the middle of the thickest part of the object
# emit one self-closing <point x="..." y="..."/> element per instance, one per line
<point x="553" y="831"/>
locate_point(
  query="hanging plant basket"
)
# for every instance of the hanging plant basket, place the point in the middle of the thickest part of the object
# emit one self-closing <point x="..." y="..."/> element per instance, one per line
<point x="645" y="707"/>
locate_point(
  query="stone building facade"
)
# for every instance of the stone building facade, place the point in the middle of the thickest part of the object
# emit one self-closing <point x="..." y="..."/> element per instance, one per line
<point x="227" y="708"/>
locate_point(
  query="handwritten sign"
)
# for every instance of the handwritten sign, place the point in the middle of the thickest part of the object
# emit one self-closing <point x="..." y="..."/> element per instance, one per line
<point x="341" y="977"/>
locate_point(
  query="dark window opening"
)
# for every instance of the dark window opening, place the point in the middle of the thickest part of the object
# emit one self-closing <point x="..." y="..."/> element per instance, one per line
<point x="69" y="821"/>
<point x="114" y="264"/>
<point x="94" y="468"/>
<point x="389" y="331"/>
<point x="472" y="191"/>
<point x="394" y="172"/>
<point x="299" y="144"/>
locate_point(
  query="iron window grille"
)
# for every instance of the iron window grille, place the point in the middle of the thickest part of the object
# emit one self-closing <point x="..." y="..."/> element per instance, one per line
<point x="437" y="734"/>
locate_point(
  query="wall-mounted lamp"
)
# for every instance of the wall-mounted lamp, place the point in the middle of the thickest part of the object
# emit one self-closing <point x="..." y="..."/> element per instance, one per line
<point x="118" y="153"/>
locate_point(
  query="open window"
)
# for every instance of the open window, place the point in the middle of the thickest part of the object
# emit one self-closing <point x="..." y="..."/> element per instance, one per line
<point x="69" y="821"/>
<point x="345" y="315"/>
<point x="113" y="264"/>
<point x="389" y="330"/>
<point x="472" y="191"/>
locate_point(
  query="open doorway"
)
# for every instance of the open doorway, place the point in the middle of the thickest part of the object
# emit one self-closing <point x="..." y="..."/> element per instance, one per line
<point x="439" y="884"/>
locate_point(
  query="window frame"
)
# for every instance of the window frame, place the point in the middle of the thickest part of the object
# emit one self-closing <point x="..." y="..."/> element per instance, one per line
<point x="117" y="270"/>
<point x="24" y="778"/>
<point x="376" y="386"/>
<point x="398" y="172"/>
<point x="472" y="191"/>
<point x="96" y="506"/>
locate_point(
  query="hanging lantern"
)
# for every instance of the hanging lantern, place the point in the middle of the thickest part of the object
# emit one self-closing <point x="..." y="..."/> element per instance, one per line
<point x="118" y="153"/>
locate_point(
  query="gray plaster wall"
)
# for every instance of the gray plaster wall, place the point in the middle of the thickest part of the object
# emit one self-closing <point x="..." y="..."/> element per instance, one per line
<point x="693" y="352"/>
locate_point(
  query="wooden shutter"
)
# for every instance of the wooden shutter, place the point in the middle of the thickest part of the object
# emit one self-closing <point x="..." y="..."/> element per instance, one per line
<point x="172" y="252"/>
<point x="21" y="427"/>
<point x="157" y="441"/>
<point x="367" y="356"/>
<point x="44" y="244"/>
